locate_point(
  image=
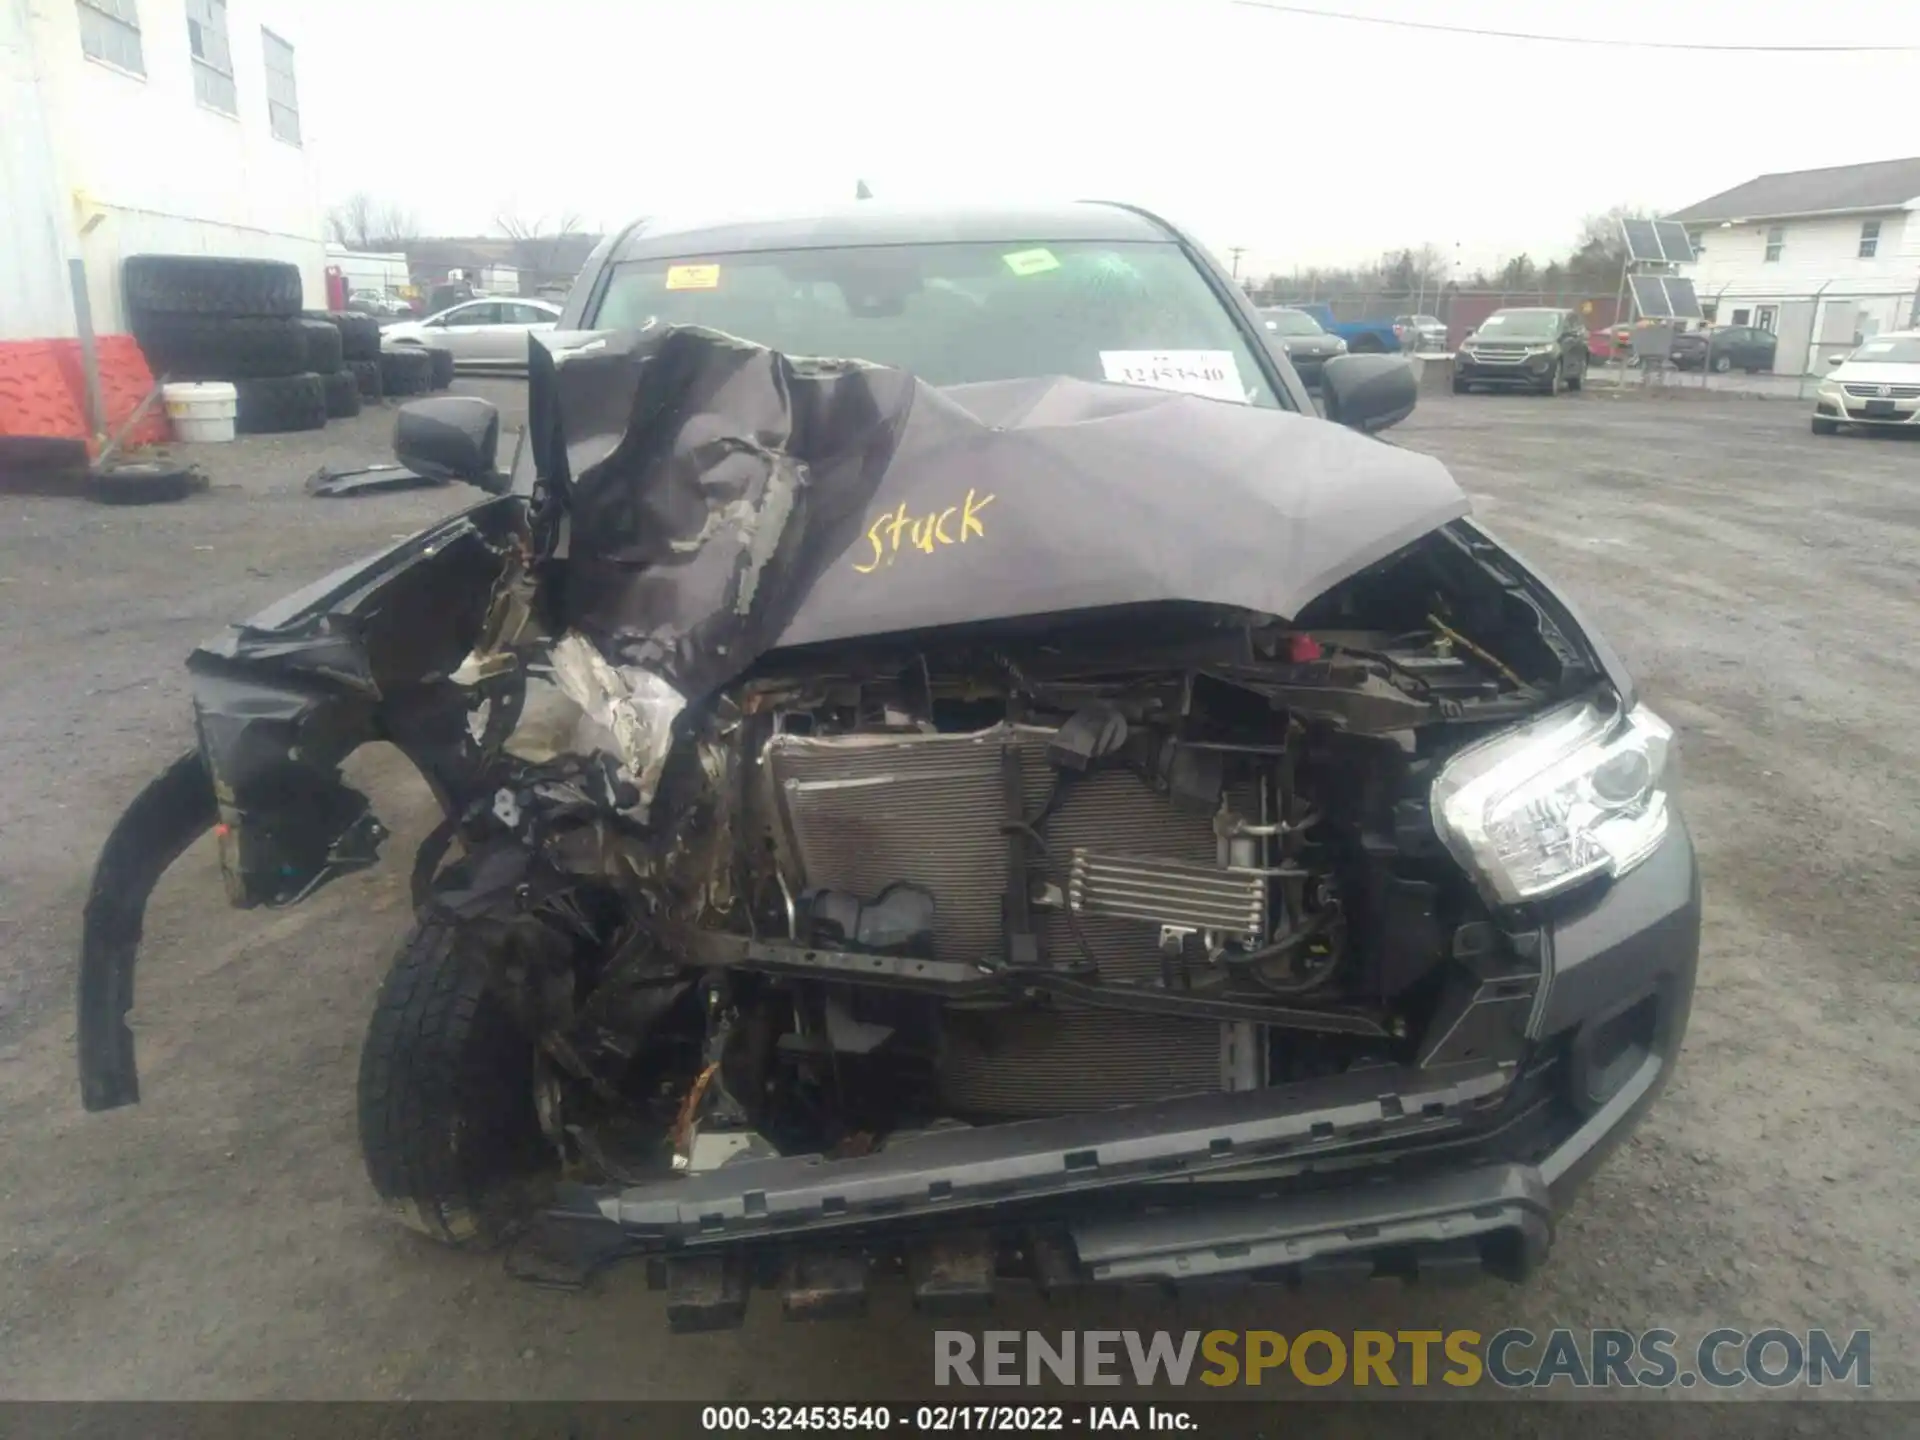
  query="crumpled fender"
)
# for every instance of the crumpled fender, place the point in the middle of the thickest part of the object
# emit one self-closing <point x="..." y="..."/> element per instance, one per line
<point x="279" y="703"/>
<point x="174" y="810"/>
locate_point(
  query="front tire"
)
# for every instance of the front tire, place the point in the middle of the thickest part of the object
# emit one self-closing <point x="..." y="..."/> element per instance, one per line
<point x="1722" y="364"/>
<point x="1552" y="387"/>
<point x="448" y="1126"/>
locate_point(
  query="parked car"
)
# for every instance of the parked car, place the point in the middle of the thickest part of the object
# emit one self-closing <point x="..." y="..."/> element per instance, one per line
<point x="1011" y="796"/>
<point x="1723" y="348"/>
<point x="1877" y="385"/>
<point x="1306" y="344"/>
<point x="1424" y="333"/>
<point x="1526" y="347"/>
<point x="1600" y="344"/>
<point x="485" y="334"/>
<point x="1363" y="337"/>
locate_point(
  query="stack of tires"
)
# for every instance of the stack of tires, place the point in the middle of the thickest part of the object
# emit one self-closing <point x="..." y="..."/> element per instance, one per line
<point x="208" y="317"/>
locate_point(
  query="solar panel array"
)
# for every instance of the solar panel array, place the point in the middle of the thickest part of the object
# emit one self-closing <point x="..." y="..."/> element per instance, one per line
<point x="1661" y="241"/>
<point x="1674" y="243"/>
<point x="1665" y="297"/>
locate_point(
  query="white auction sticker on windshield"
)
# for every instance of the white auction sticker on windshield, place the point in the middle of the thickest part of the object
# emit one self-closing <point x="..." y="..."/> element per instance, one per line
<point x="1192" y="372"/>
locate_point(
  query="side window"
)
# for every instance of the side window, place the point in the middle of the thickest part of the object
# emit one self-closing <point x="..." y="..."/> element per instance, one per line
<point x="110" y="32"/>
<point x="469" y="315"/>
<point x="1776" y="241"/>
<point x="212" y="58"/>
<point x="526" y="315"/>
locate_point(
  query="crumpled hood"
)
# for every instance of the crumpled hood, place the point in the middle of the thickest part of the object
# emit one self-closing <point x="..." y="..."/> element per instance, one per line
<point x="723" y="500"/>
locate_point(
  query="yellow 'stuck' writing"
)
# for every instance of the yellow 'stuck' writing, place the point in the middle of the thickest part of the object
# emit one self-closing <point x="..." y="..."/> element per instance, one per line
<point x="898" y="531"/>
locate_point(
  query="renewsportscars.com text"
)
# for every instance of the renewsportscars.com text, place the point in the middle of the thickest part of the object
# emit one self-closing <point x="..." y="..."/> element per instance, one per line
<point x="1721" y="1359"/>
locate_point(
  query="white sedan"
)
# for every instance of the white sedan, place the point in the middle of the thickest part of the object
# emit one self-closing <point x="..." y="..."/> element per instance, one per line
<point x="485" y="334"/>
<point x="1878" y="384"/>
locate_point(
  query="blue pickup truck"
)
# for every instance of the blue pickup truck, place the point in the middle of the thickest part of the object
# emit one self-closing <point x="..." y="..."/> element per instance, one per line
<point x="1363" y="337"/>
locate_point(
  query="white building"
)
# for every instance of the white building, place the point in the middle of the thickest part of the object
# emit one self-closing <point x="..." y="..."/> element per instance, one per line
<point x="1819" y="257"/>
<point x="144" y="126"/>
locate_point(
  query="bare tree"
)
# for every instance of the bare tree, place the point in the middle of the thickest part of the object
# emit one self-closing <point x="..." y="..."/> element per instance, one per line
<point x="361" y="222"/>
<point x="538" y="249"/>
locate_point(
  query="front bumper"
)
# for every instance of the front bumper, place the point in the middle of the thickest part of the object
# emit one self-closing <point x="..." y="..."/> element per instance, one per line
<point x="1831" y="402"/>
<point x="1479" y="370"/>
<point x="1397" y="1172"/>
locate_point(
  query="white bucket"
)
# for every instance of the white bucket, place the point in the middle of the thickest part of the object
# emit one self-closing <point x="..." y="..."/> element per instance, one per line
<point x="202" y="412"/>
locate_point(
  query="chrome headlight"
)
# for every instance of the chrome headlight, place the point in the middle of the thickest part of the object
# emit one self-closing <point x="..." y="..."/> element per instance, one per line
<point x="1577" y="792"/>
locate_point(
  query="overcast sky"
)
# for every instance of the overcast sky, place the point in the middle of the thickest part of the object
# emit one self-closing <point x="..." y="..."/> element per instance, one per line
<point x="1305" y="140"/>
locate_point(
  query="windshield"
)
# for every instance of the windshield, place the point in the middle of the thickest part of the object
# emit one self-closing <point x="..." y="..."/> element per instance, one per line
<point x="1521" y="325"/>
<point x="1291" y="322"/>
<point x="956" y="313"/>
<point x="1892" y="350"/>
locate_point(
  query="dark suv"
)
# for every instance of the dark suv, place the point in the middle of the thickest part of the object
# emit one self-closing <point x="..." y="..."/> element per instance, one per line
<point x="1534" y="349"/>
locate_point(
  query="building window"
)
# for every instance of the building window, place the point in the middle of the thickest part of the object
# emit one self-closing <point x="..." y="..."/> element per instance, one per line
<point x="1776" y="241"/>
<point x="1696" y="238"/>
<point x="1742" y="317"/>
<point x="1869" y="239"/>
<point x="212" y="58"/>
<point x="1763" y="317"/>
<point x="110" y="32"/>
<point x="283" y="100"/>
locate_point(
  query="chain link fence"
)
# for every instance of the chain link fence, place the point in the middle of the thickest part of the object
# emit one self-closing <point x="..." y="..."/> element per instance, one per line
<point x="1768" y="344"/>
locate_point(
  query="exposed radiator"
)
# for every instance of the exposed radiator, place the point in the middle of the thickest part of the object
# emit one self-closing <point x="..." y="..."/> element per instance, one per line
<point x="863" y="812"/>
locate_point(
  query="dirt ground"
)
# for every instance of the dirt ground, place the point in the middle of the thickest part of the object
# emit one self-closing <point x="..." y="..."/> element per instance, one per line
<point x="219" y="1240"/>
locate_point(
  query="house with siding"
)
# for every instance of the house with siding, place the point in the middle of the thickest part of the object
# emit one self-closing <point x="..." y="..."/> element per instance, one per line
<point x="1822" y="258"/>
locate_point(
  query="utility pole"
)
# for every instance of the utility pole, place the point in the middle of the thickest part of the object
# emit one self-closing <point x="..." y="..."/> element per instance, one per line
<point x="1236" y="251"/>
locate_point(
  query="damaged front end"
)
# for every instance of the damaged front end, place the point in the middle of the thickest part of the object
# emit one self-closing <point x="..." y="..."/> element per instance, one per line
<point x="1043" y="825"/>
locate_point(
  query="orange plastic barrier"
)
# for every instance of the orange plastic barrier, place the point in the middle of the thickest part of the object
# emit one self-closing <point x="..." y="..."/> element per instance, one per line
<point x="43" y="389"/>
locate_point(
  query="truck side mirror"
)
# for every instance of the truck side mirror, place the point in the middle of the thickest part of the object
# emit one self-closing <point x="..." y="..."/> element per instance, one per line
<point x="451" y="437"/>
<point x="1368" y="392"/>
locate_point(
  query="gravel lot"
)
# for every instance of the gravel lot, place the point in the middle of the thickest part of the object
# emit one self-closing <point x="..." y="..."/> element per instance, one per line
<point x="219" y="1240"/>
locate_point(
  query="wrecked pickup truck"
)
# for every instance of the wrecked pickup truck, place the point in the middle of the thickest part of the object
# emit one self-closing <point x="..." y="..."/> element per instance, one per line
<point x="1038" y="826"/>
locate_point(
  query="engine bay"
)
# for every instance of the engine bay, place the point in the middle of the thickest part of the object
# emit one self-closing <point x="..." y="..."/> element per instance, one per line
<point x="1035" y="871"/>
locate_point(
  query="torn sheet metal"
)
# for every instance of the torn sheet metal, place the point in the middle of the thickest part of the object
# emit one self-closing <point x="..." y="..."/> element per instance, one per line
<point x="634" y="708"/>
<point x="336" y="481"/>
<point x="721" y="500"/>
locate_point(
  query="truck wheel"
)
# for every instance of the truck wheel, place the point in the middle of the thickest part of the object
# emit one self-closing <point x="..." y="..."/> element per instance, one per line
<point x="323" y="346"/>
<point x="359" y="334"/>
<point x="343" y="395"/>
<point x="366" y="374"/>
<point x="406" y="371"/>
<point x="202" y="347"/>
<point x="448" y="1126"/>
<point x="280" y="404"/>
<point x="210" y="285"/>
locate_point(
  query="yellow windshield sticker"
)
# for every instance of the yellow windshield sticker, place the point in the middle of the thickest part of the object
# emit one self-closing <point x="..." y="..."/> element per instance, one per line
<point x="693" y="277"/>
<point x="898" y="531"/>
<point x="1031" y="262"/>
